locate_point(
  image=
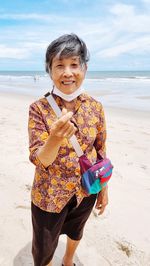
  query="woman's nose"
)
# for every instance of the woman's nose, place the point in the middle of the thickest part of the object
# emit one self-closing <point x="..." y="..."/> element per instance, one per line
<point x="67" y="72"/>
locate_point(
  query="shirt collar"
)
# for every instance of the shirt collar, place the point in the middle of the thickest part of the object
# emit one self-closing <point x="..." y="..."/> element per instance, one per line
<point x="80" y="99"/>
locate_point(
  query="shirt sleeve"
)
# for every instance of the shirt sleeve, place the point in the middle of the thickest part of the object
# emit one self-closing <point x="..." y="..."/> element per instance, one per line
<point x="38" y="134"/>
<point x="100" y="141"/>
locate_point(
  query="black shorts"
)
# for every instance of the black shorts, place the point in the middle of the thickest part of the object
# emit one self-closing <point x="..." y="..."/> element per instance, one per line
<point x="48" y="226"/>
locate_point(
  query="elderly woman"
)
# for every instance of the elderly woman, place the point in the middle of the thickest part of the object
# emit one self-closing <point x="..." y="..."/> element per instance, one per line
<point x="59" y="203"/>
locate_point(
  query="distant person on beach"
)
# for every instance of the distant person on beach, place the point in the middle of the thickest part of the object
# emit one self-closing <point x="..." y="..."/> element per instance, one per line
<point x="36" y="77"/>
<point x="59" y="203"/>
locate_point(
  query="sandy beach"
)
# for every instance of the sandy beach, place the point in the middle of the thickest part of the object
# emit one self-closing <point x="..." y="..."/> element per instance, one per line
<point x="121" y="236"/>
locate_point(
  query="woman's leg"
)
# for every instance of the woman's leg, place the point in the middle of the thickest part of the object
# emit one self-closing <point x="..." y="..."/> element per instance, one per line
<point x="46" y="231"/>
<point x="50" y="264"/>
<point x="74" y="226"/>
<point x="70" y="251"/>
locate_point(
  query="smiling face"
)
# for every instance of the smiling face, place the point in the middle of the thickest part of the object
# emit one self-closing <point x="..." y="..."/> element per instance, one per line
<point x="67" y="73"/>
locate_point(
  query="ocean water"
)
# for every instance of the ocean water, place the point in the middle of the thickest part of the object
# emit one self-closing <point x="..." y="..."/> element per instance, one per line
<point x="126" y="89"/>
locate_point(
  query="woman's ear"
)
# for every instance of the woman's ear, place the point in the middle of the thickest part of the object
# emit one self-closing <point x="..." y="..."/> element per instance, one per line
<point x="49" y="71"/>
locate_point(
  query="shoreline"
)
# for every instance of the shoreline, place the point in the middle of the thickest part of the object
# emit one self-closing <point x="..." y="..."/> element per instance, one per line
<point x="127" y="93"/>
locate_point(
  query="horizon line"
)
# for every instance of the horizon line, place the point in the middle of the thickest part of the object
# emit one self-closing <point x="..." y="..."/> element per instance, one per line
<point x="87" y="70"/>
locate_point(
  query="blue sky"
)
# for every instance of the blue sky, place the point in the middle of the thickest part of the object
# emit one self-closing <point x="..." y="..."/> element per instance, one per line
<point x="117" y="33"/>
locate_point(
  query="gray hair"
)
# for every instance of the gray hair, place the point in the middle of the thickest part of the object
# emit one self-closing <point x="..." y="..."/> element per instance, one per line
<point x="66" y="46"/>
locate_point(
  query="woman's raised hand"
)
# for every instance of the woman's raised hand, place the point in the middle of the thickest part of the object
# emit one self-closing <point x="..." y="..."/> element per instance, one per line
<point x="63" y="127"/>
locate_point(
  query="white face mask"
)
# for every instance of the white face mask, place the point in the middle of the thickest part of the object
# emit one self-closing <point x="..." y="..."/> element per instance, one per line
<point x="68" y="97"/>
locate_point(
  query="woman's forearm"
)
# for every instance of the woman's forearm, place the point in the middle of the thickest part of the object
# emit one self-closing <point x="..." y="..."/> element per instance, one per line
<point x="48" y="152"/>
<point x="60" y="129"/>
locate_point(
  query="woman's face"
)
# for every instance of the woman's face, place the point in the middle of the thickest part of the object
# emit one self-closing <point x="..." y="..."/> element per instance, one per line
<point x="67" y="73"/>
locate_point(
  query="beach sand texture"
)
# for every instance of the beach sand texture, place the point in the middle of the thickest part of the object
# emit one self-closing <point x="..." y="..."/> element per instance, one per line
<point x="121" y="236"/>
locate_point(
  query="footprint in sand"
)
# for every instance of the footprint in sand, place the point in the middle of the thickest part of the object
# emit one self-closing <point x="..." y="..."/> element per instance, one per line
<point x="143" y="166"/>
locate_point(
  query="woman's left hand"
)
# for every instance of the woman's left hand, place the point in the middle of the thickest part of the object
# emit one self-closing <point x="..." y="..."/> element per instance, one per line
<point x="102" y="200"/>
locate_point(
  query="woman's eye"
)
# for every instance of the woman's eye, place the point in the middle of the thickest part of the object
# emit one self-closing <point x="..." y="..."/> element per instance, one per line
<point x="74" y="65"/>
<point x="59" y="65"/>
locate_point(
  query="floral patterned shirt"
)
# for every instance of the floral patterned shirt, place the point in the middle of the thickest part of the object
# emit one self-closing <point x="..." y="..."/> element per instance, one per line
<point x="55" y="185"/>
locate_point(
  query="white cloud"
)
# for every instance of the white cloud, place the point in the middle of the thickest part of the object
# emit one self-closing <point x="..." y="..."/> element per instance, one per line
<point x="125" y="30"/>
<point x="122" y="9"/>
<point x="35" y="46"/>
<point x="136" y="46"/>
<point x="13" y="53"/>
<point x="32" y="16"/>
<point x="129" y="31"/>
<point x="127" y="19"/>
<point x="26" y="50"/>
<point x="146" y="1"/>
<point x="23" y="16"/>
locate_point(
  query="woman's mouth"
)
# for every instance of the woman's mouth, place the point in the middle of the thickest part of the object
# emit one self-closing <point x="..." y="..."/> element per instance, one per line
<point x="68" y="82"/>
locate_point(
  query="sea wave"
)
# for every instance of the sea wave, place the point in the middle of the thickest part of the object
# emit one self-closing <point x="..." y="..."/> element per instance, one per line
<point x="121" y="79"/>
<point x="96" y="78"/>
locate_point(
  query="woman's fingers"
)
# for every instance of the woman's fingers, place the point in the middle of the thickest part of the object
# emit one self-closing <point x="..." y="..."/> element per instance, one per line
<point x="63" y="120"/>
<point x="66" y="130"/>
<point x="102" y="200"/>
<point x="70" y="131"/>
<point x="64" y="111"/>
<point x="63" y="127"/>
